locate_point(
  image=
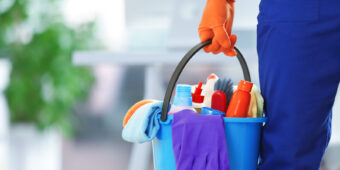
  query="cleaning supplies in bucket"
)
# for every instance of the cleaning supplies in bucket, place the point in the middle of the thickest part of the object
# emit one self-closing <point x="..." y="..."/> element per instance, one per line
<point x="226" y="86"/>
<point x="144" y="112"/>
<point x="246" y="101"/>
<point x="240" y="128"/>
<point x="183" y="99"/>
<point x="197" y="98"/>
<point x="219" y="101"/>
<point x="143" y="124"/>
<point x="242" y="134"/>
<point x="239" y="103"/>
<point x="259" y="101"/>
<point x="208" y="89"/>
<point x="210" y="111"/>
<point x="252" y="110"/>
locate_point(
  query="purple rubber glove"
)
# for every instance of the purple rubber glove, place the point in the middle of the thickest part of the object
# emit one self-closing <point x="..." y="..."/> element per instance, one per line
<point x="199" y="142"/>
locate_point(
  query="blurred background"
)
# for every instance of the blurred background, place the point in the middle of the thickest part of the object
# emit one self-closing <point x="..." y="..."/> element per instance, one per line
<point x="70" y="69"/>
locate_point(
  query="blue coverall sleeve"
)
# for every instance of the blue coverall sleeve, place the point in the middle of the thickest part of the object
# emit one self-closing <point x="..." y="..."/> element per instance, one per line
<point x="299" y="66"/>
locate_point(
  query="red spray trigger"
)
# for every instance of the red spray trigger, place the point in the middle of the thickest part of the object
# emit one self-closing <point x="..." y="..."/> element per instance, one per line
<point x="196" y="96"/>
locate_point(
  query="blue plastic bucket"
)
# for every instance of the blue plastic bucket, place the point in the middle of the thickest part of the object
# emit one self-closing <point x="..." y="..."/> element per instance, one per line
<point x="243" y="142"/>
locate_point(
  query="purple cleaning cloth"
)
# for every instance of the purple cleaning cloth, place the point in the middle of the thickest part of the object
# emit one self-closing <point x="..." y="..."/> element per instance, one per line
<point x="199" y="142"/>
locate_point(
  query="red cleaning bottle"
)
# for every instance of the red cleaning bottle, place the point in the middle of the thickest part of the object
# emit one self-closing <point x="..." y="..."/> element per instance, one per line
<point x="219" y="101"/>
<point x="239" y="103"/>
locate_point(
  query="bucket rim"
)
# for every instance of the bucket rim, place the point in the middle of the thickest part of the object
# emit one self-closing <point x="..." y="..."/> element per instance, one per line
<point x="225" y="119"/>
<point x="245" y="119"/>
<point x="168" y="121"/>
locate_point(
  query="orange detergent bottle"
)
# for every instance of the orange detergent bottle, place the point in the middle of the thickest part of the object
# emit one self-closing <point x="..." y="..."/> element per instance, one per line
<point x="239" y="103"/>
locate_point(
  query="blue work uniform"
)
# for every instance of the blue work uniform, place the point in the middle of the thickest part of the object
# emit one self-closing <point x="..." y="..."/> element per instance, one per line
<point x="299" y="66"/>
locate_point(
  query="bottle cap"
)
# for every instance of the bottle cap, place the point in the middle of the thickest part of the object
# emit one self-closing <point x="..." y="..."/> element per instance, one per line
<point x="183" y="95"/>
<point x="245" y="85"/>
<point x="196" y="96"/>
<point x="212" y="76"/>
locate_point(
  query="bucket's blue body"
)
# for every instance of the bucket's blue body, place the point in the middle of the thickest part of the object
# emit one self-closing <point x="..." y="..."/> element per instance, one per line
<point x="163" y="154"/>
<point x="243" y="142"/>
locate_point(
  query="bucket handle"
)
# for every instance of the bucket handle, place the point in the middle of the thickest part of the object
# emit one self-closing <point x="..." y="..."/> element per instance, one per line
<point x="181" y="66"/>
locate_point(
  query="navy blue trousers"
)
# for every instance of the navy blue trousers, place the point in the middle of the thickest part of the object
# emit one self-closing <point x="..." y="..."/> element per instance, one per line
<point x="299" y="66"/>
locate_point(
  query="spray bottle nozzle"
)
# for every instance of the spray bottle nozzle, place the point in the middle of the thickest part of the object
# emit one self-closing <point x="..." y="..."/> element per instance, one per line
<point x="196" y="96"/>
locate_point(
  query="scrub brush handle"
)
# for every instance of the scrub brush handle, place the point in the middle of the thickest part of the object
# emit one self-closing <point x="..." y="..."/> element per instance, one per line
<point x="181" y="66"/>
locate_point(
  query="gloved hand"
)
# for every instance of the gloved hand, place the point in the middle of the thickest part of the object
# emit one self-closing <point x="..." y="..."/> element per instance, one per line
<point x="216" y="24"/>
<point x="199" y="142"/>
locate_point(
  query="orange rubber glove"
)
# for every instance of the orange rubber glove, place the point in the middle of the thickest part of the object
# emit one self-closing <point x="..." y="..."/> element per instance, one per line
<point x="216" y="24"/>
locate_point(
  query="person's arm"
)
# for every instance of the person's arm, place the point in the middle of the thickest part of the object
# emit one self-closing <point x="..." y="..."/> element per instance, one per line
<point x="216" y="24"/>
